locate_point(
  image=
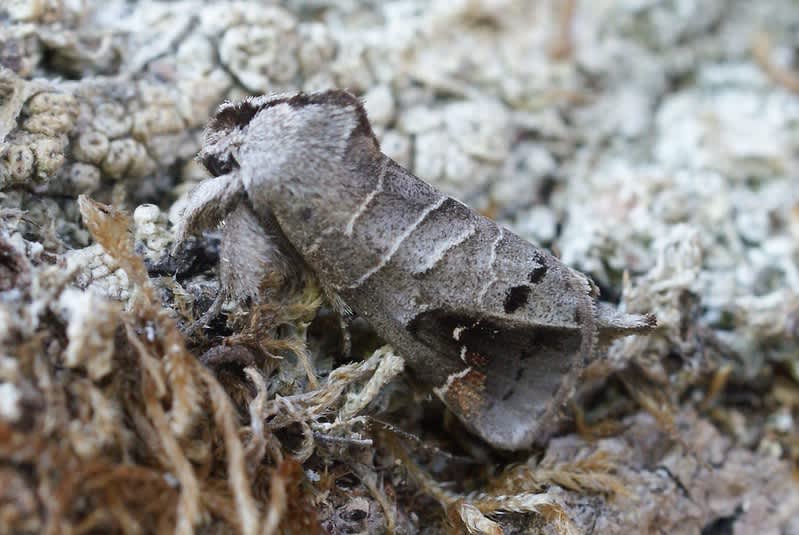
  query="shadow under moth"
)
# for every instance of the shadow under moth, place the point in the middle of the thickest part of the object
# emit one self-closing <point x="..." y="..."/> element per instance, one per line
<point x="499" y="328"/>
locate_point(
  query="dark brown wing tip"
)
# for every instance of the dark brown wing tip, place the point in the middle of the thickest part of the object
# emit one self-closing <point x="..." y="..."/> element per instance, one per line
<point x="239" y="114"/>
<point x="233" y="114"/>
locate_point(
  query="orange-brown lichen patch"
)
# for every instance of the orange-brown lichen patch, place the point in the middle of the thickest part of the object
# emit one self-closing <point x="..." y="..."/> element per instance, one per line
<point x="475" y="360"/>
<point x="466" y="391"/>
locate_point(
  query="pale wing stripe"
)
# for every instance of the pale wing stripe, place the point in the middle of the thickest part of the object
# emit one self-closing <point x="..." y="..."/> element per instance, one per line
<point x="396" y="245"/>
<point x="439" y="255"/>
<point x="442" y="390"/>
<point x="491" y="261"/>
<point x="367" y="200"/>
<point x="318" y="241"/>
<point x="314" y="246"/>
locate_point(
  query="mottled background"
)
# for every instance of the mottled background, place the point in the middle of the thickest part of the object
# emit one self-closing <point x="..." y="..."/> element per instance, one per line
<point x="651" y="144"/>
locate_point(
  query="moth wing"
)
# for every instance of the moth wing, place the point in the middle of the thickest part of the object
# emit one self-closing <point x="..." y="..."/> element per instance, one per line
<point x="506" y="358"/>
<point x="514" y="376"/>
<point x="503" y="326"/>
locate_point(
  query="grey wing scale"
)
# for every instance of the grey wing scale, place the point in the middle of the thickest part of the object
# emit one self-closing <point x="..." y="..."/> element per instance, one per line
<point x="513" y="378"/>
<point x="499" y="327"/>
<point x="347" y="254"/>
<point x="458" y="296"/>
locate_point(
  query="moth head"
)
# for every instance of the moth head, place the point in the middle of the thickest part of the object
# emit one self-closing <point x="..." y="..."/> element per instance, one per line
<point x="224" y="135"/>
<point x="323" y="123"/>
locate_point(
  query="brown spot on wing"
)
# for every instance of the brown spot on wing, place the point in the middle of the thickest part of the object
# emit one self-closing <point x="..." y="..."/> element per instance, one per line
<point x="466" y="392"/>
<point x="475" y="359"/>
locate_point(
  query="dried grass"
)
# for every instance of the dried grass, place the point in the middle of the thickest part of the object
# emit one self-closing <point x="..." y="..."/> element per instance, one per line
<point x="592" y="474"/>
<point x="158" y="442"/>
<point x="761" y="51"/>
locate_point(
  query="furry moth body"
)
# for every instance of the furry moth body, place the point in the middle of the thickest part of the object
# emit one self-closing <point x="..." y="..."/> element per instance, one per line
<point x="498" y="327"/>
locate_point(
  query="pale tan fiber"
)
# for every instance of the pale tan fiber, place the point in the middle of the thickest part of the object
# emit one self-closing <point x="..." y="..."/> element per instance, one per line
<point x="256" y="448"/>
<point x="761" y="50"/>
<point x="277" y="505"/>
<point x="475" y="522"/>
<point x="390" y="366"/>
<point x="189" y="514"/>
<point x="650" y="145"/>
<point x="239" y="482"/>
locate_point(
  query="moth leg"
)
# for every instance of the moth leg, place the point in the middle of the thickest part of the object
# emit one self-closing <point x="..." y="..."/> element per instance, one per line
<point x="208" y="204"/>
<point x="346" y="336"/>
<point x="211" y="313"/>
<point x="255" y="261"/>
<point x="344" y="313"/>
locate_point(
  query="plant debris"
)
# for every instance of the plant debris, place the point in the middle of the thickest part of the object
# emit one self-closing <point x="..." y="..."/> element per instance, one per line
<point x="651" y="144"/>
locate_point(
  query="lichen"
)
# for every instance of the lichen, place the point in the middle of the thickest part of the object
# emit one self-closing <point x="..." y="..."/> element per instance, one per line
<point x="650" y="144"/>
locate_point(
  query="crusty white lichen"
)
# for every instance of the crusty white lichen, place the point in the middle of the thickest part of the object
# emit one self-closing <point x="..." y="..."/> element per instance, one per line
<point x="95" y="270"/>
<point x="638" y="139"/>
<point x="90" y="328"/>
<point x="10" y="398"/>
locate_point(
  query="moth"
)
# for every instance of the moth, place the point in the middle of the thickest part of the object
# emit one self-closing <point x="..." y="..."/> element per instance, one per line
<point x="499" y="328"/>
